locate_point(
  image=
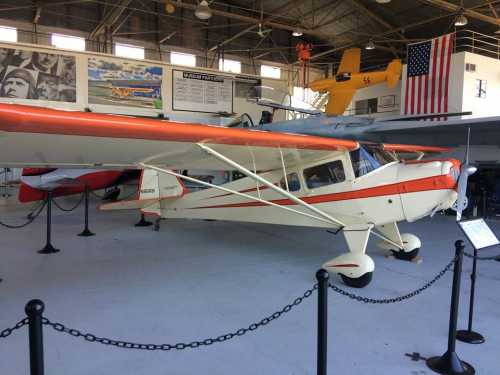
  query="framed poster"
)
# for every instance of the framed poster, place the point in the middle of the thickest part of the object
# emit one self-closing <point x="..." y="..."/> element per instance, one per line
<point x="124" y="83"/>
<point x="37" y="75"/>
<point x="201" y="92"/>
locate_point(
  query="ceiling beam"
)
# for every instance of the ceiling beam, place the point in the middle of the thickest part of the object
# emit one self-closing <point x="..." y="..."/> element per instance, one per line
<point x="391" y="31"/>
<point x="251" y="20"/>
<point x="283" y="9"/>
<point x="468" y="12"/>
<point x="110" y="19"/>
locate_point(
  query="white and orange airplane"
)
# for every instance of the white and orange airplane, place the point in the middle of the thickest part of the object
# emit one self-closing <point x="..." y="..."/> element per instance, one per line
<point x="291" y="179"/>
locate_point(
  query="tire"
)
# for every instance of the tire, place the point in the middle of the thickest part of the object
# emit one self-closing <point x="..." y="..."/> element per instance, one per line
<point x="403" y="255"/>
<point x="358" y="282"/>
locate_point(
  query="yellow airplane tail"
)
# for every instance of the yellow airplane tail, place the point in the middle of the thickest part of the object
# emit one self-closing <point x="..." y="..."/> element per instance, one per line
<point x="393" y="72"/>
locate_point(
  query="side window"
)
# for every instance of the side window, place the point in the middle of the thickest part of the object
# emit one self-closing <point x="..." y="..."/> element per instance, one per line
<point x="293" y="182"/>
<point x="324" y="174"/>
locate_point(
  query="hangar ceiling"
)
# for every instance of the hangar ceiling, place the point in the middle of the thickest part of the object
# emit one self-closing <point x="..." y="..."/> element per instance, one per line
<point x="262" y="30"/>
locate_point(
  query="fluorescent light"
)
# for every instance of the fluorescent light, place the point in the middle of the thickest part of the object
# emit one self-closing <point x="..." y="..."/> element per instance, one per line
<point x="370" y="45"/>
<point x="203" y="11"/>
<point x="383" y="1"/>
<point x="297" y="32"/>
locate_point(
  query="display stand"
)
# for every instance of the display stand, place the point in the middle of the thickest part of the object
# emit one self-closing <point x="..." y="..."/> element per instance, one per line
<point x="481" y="237"/>
<point x="86" y="231"/>
<point x="449" y="363"/>
<point x="49" y="249"/>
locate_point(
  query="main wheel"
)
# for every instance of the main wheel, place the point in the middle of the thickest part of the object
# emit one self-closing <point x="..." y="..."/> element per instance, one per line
<point x="358" y="282"/>
<point x="403" y="255"/>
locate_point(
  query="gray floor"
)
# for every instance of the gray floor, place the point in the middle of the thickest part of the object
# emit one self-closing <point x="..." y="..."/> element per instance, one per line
<point x="197" y="279"/>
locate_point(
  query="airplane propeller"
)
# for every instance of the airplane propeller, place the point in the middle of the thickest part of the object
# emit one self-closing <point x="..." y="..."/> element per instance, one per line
<point x="465" y="171"/>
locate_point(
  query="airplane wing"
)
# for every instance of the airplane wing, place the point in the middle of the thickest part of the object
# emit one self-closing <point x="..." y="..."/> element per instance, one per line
<point x="484" y="131"/>
<point x="350" y="62"/>
<point x="339" y="100"/>
<point x="42" y="137"/>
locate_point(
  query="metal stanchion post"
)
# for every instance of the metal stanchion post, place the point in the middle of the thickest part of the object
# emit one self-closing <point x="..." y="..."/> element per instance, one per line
<point x="34" y="310"/>
<point x="322" y="277"/>
<point x="86" y="232"/>
<point x="143" y="222"/>
<point x="468" y="335"/>
<point x="49" y="249"/>
<point x="449" y="363"/>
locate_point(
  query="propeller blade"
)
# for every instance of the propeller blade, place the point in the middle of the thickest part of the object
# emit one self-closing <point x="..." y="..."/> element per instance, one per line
<point x="461" y="204"/>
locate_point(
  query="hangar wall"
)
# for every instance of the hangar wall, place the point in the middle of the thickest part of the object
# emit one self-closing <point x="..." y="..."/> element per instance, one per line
<point x="240" y="104"/>
<point x="463" y="94"/>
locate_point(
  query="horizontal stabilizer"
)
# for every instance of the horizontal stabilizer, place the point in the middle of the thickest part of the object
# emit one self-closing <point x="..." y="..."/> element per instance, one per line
<point x="154" y="187"/>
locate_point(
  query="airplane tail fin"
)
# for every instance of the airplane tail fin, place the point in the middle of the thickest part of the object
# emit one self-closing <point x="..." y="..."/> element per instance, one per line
<point x="154" y="187"/>
<point x="393" y="72"/>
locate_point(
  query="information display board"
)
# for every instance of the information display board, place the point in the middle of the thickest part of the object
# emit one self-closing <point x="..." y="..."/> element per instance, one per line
<point x="478" y="233"/>
<point x="201" y="92"/>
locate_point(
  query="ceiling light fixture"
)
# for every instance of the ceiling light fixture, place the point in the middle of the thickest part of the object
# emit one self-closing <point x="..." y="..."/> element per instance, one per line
<point x="461" y="20"/>
<point x="297" y="32"/>
<point x="383" y="1"/>
<point x="370" y="45"/>
<point x="203" y="11"/>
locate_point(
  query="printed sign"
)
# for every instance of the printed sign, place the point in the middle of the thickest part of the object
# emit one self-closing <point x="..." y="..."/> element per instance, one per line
<point x="125" y="83"/>
<point x="201" y="92"/>
<point x="37" y="75"/>
<point x="478" y="233"/>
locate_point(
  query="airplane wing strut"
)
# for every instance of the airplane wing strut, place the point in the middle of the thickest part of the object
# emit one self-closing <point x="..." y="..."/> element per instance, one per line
<point x="251" y="197"/>
<point x="277" y="189"/>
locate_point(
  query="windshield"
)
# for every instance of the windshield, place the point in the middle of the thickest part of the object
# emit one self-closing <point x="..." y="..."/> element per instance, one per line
<point x="366" y="159"/>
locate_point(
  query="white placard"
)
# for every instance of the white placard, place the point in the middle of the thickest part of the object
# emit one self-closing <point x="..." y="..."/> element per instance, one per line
<point x="479" y="233"/>
<point x="201" y="92"/>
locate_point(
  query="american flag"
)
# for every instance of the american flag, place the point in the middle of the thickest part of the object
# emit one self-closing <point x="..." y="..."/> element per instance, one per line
<point x="428" y="75"/>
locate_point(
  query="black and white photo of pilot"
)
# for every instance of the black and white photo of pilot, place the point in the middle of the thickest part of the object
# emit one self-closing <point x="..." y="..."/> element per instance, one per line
<point x="53" y="77"/>
<point x="47" y="87"/>
<point x="19" y="83"/>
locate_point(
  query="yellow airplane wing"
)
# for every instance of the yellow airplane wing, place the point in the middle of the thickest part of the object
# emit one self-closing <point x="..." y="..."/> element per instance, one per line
<point x="351" y="60"/>
<point x="338" y="101"/>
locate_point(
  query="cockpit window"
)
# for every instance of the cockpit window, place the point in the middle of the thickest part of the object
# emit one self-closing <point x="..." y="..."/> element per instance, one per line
<point x="366" y="159"/>
<point x="324" y="174"/>
<point x="293" y="182"/>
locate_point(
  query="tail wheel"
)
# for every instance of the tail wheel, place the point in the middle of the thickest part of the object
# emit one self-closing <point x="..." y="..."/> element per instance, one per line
<point x="403" y="255"/>
<point x="357" y="282"/>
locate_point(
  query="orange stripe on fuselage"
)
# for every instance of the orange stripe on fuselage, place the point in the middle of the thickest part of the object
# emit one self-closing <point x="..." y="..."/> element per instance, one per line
<point x="422" y="184"/>
<point x="27" y="119"/>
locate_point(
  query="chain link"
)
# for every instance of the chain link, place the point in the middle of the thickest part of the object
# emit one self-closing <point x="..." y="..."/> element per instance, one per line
<point x="416" y="292"/>
<point x="179" y="346"/>
<point x="80" y="200"/>
<point x="31" y="217"/>
<point x="8" y="331"/>
<point x="472" y="256"/>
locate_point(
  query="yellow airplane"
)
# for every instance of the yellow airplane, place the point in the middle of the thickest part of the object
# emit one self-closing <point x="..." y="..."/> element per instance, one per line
<point x="348" y="79"/>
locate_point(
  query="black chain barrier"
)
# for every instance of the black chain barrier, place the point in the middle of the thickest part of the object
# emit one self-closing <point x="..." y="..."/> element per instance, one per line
<point x="30" y="218"/>
<point x="165" y="347"/>
<point x="8" y="331"/>
<point x="407" y="296"/>
<point x="72" y="208"/>
<point x="478" y="257"/>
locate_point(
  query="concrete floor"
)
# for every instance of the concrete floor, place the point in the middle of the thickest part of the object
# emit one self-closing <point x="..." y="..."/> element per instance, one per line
<point x="198" y="279"/>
